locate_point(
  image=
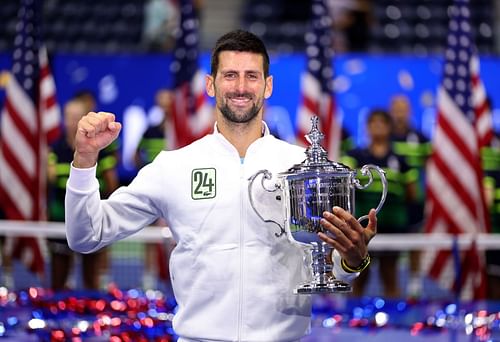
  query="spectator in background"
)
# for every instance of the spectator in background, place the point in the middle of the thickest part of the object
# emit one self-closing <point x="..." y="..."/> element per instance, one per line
<point x="60" y="157"/>
<point x="415" y="148"/>
<point x="402" y="184"/>
<point x="88" y="99"/>
<point x="161" y="19"/>
<point x="490" y="158"/>
<point x="154" y="140"/>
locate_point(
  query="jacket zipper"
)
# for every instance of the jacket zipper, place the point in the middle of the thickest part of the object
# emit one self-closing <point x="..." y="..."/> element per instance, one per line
<point x="242" y="227"/>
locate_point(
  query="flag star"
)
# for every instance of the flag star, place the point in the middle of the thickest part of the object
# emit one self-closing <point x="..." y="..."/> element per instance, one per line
<point x="310" y="38"/>
<point x="16" y="68"/>
<point x="463" y="55"/>
<point x="449" y="69"/>
<point x="17" y="54"/>
<point x="312" y="51"/>
<point x="465" y="26"/>
<point x="461" y="85"/>
<point x="28" y="70"/>
<point x="448" y="83"/>
<point x="191" y="39"/>
<point x="314" y="65"/>
<point x="464" y="11"/>
<point x="462" y="71"/>
<point x="175" y="66"/>
<point x="453" y="25"/>
<point x="327" y="72"/>
<point x="325" y="40"/>
<point x="28" y="42"/>
<point x="450" y="54"/>
<point x="28" y="83"/>
<point x="29" y="56"/>
<point x="459" y="98"/>
<point x="464" y="41"/>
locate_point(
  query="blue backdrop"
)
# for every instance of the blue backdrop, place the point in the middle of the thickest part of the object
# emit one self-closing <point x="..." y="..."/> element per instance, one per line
<point x="362" y="82"/>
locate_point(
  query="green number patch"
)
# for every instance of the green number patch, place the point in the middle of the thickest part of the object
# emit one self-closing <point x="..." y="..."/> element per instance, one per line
<point x="203" y="183"/>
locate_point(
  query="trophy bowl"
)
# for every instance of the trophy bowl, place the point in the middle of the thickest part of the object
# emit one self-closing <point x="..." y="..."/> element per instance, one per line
<point x="308" y="190"/>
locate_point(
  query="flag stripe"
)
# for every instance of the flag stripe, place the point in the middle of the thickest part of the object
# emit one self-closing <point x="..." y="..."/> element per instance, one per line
<point x="24" y="154"/>
<point x="451" y="200"/>
<point x="21" y="105"/>
<point x="18" y="192"/>
<point x="453" y="155"/>
<point x="456" y="123"/>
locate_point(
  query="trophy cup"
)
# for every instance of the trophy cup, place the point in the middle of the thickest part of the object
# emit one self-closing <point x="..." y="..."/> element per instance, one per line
<point x="307" y="190"/>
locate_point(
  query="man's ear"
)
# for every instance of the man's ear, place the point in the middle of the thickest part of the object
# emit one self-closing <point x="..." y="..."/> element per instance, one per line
<point x="209" y="85"/>
<point x="269" y="87"/>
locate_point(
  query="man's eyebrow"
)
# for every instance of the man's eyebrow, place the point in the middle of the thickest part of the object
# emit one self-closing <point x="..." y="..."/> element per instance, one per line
<point x="254" y="71"/>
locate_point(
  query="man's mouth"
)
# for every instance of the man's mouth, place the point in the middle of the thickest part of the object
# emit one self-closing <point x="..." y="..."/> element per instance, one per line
<point x="241" y="99"/>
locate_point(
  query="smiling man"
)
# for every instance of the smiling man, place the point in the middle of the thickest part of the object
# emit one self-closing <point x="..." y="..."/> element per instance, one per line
<point x="232" y="278"/>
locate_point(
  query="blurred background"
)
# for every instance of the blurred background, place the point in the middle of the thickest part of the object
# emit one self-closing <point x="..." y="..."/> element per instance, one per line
<point x="128" y="57"/>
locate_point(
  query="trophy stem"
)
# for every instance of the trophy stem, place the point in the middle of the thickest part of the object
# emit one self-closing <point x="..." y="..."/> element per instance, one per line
<point x="322" y="278"/>
<point x="321" y="269"/>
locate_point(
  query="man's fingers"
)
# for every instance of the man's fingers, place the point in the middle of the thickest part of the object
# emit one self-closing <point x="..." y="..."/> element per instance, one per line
<point x="352" y="223"/>
<point x="93" y="123"/>
<point x="114" y="126"/>
<point x="371" y="228"/>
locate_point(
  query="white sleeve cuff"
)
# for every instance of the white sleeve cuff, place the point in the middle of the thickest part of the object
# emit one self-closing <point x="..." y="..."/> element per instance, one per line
<point x="339" y="272"/>
<point x="83" y="180"/>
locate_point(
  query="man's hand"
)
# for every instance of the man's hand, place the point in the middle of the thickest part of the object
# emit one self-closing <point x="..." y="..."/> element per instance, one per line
<point x="347" y="236"/>
<point x="95" y="132"/>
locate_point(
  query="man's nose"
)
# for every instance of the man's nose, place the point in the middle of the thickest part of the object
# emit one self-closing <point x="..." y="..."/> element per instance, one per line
<point x="241" y="84"/>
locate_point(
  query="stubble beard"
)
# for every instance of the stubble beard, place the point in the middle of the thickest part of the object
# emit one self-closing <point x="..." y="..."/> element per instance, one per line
<point x="242" y="117"/>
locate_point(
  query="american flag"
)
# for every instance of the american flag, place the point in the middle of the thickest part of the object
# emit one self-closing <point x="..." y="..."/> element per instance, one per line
<point x="192" y="115"/>
<point x="316" y="82"/>
<point x="30" y="117"/>
<point x="455" y="201"/>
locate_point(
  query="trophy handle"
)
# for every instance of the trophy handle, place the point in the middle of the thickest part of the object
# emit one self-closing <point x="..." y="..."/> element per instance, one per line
<point x="365" y="171"/>
<point x="266" y="176"/>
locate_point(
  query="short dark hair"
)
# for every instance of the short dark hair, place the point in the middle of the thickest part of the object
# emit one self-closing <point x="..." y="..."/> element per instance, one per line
<point x="239" y="40"/>
<point x="381" y="113"/>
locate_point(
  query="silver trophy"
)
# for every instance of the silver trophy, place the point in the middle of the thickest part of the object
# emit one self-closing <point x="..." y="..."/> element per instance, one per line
<point x="306" y="191"/>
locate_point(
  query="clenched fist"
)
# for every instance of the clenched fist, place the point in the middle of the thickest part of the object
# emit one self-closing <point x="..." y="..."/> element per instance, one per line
<point x="95" y="132"/>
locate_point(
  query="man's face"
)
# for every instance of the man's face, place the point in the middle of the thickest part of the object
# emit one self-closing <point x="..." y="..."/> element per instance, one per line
<point x="400" y="110"/>
<point x="378" y="128"/>
<point x="239" y="86"/>
<point x="73" y="112"/>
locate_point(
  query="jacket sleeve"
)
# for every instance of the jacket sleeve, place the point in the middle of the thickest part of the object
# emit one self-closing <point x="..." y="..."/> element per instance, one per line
<point x="92" y="223"/>
<point x="338" y="272"/>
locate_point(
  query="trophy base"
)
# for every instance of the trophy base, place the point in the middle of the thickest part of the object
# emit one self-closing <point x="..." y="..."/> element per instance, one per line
<point x="333" y="286"/>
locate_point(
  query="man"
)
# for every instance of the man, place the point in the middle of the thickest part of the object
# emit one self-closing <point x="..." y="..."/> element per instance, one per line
<point x="415" y="148"/>
<point x="232" y="278"/>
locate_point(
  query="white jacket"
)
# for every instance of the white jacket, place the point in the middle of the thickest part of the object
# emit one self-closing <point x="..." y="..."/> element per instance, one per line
<point x="232" y="277"/>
